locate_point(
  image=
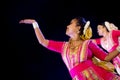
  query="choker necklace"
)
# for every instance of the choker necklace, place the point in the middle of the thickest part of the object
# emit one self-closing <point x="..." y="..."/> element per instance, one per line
<point x="74" y="44"/>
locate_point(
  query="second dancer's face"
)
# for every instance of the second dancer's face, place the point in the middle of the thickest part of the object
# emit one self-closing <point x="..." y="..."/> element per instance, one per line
<point x="100" y="30"/>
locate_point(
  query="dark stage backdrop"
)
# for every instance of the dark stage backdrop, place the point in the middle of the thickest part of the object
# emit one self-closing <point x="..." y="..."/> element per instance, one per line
<point x="27" y="59"/>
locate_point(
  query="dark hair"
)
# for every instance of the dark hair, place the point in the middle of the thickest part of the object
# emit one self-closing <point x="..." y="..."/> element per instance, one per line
<point x="104" y="26"/>
<point x="81" y="22"/>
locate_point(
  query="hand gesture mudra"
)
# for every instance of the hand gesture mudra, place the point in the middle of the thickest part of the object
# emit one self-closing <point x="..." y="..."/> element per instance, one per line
<point x="27" y="21"/>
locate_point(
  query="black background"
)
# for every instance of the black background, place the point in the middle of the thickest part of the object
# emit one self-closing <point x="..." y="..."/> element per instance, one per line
<point x="27" y="59"/>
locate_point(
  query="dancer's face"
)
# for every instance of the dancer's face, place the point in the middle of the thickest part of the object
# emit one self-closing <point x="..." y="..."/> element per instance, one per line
<point x="72" y="28"/>
<point x="100" y="30"/>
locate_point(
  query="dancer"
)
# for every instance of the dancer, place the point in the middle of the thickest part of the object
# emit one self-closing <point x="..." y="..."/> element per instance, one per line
<point x="77" y="53"/>
<point x="110" y="40"/>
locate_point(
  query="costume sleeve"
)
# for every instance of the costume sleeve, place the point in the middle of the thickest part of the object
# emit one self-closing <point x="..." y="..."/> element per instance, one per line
<point x="97" y="51"/>
<point x="116" y="33"/>
<point x="97" y="41"/>
<point x="55" y="46"/>
<point x="116" y="36"/>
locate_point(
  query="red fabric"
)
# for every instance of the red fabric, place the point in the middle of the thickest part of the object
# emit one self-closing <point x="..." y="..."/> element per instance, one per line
<point x="97" y="51"/>
<point x="97" y="41"/>
<point x="55" y="46"/>
<point x="80" y="67"/>
<point x="115" y="35"/>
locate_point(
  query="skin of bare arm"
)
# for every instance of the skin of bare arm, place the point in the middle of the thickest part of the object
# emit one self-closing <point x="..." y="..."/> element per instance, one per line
<point x="42" y="40"/>
<point x="112" y="55"/>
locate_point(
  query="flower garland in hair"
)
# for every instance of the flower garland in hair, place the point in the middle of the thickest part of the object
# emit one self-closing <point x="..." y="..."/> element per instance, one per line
<point x="87" y="32"/>
<point x="110" y="26"/>
<point x="86" y="26"/>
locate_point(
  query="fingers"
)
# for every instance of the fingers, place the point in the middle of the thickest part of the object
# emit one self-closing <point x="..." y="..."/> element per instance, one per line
<point x="27" y="21"/>
<point x="21" y="21"/>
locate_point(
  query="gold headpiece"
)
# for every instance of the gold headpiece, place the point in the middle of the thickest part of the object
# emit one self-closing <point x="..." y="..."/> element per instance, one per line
<point x="87" y="32"/>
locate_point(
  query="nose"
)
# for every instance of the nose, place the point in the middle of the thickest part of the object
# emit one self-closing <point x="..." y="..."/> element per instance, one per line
<point x="97" y="31"/>
<point x="67" y="26"/>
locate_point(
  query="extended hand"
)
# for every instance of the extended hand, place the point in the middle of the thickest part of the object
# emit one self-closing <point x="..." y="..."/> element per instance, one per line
<point x="27" y="21"/>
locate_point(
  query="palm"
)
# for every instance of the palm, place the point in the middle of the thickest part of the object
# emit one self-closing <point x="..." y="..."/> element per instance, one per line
<point x="27" y="21"/>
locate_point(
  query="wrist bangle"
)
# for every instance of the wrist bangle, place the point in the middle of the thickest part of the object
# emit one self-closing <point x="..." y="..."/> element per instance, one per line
<point x="35" y="25"/>
<point x="118" y="48"/>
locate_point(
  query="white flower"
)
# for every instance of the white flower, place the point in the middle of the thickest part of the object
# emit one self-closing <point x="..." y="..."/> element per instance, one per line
<point x="110" y="26"/>
<point x="86" y="26"/>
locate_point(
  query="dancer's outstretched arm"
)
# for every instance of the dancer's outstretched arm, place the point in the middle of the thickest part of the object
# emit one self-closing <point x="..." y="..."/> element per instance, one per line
<point x="37" y="30"/>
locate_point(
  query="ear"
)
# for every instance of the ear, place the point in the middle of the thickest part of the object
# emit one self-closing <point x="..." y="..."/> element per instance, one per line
<point x="78" y="27"/>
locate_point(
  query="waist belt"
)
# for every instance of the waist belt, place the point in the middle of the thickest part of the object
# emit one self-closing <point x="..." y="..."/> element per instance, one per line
<point x="80" y="67"/>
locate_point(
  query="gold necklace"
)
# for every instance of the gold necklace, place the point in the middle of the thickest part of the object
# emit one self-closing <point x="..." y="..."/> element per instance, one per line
<point x="73" y="45"/>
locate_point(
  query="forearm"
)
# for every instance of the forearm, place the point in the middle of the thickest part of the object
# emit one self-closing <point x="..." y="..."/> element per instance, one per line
<point x="39" y="35"/>
<point x="37" y="30"/>
<point x="113" y="54"/>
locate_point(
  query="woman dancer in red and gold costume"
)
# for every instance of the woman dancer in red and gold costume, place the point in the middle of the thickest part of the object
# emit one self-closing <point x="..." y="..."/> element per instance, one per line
<point x="77" y="53"/>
